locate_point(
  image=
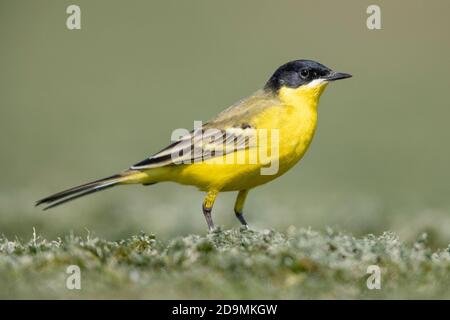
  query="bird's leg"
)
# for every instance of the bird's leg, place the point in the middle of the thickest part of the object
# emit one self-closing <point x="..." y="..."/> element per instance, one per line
<point x="239" y="206"/>
<point x="208" y="203"/>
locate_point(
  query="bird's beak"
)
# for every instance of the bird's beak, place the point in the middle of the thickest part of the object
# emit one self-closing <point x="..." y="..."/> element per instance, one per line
<point x="337" y="76"/>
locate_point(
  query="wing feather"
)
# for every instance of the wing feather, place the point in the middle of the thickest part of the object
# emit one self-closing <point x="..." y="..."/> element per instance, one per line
<point x="230" y="131"/>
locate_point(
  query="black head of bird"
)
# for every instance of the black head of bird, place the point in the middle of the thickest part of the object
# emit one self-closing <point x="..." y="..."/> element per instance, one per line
<point x="301" y="72"/>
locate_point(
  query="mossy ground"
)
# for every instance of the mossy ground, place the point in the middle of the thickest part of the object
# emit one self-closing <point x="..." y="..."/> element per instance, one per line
<point x="228" y="264"/>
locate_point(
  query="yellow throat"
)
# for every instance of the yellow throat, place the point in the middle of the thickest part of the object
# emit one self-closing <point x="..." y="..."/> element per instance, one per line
<point x="299" y="122"/>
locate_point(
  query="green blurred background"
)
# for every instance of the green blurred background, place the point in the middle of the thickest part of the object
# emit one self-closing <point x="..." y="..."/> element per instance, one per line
<point x="80" y="105"/>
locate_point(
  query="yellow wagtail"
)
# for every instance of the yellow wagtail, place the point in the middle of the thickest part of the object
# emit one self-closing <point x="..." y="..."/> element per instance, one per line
<point x="286" y="108"/>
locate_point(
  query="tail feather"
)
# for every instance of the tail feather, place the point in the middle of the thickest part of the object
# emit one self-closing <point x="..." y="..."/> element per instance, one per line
<point x="76" y="196"/>
<point x="82" y="190"/>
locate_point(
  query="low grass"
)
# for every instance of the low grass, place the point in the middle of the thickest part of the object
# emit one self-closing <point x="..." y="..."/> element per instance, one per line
<point x="225" y="264"/>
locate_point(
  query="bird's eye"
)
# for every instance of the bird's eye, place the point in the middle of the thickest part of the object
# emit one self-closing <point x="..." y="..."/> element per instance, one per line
<point x="304" y="73"/>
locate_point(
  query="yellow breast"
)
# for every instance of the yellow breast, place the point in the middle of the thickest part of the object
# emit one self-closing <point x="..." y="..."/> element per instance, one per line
<point x="298" y="122"/>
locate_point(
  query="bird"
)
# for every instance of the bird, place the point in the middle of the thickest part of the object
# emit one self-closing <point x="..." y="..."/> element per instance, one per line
<point x="285" y="110"/>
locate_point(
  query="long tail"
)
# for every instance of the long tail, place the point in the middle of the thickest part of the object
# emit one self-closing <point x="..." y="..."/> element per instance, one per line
<point x="85" y="189"/>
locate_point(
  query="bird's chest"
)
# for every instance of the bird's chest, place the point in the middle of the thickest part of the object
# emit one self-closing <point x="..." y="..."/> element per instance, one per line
<point x="296" y="133"/>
